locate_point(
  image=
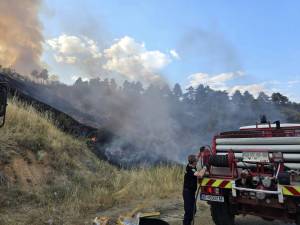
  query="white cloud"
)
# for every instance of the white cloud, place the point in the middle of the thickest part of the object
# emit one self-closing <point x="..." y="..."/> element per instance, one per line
<point x="291" y="83"/>
<point x="70" y="49"/>
<point x="254" y="89"/>
<point x="65" y="59"/>
<point x="222" y="82"/>
<point x="124" y="59"/>
<point x="77" y="51"/>
<point x="74" y="78"/>
<point x="174" y="54"/>
<point x="218" y="82"/>
<point x="133" y="61"/>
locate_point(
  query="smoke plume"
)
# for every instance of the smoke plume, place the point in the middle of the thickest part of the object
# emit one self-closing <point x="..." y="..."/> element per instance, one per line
<point x="21" y="36"/>
<point x="210" y="47"/>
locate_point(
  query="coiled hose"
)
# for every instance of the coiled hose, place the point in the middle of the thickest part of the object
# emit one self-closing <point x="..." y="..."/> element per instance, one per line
<point x="218" y="160"/>
<point x="195" y="205"/>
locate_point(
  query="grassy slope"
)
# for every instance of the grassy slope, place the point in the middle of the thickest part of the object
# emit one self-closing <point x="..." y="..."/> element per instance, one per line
<point x="51" y="178"/>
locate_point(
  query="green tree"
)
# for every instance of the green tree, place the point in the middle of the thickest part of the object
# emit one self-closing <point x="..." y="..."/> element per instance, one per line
<point x="177" y="91"/>
<point x="279" y="99"/>
<point x="263" y="98"/>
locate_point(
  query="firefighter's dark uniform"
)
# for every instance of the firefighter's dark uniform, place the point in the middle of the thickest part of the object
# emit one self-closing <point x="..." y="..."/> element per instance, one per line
<point x="189" y="190"/>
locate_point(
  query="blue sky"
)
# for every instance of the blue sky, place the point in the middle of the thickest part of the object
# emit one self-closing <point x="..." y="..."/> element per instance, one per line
<point x="253" y="45"/>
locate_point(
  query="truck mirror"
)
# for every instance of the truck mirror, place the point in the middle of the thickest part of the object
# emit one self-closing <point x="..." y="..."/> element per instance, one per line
<point x="3" y="102"/>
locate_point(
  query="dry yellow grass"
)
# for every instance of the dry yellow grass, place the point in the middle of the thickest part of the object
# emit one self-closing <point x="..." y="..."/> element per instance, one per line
<point x="74" y="184"/>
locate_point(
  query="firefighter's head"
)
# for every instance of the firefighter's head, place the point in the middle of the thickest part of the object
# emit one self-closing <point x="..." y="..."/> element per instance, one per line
<point x="202" y="149"/>
<point x="192" y="160"/>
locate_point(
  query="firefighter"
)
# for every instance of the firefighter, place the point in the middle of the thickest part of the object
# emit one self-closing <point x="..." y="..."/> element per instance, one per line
<point x="190" y="187"/>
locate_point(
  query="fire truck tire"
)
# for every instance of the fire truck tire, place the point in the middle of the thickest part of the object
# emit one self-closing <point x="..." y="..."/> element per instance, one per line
<point x="221" y="214"/>
<point x="219" y="160"/>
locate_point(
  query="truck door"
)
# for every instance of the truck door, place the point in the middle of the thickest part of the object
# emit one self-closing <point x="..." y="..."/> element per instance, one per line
<point x="3" y="102"/>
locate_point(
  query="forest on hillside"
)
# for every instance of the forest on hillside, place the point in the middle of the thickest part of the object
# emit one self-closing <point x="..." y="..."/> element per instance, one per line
<point x="159" y="121"/>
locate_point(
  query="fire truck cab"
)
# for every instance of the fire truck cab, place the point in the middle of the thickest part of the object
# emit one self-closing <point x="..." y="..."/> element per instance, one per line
<point x="3" y="102"/>
<point x="254" y="171"/>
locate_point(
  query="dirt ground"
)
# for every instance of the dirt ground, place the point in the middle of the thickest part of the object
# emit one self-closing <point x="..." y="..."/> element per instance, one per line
<point x="174" y="216"/>
<point x="203" y="218"/>
<point x="172" y="212"/>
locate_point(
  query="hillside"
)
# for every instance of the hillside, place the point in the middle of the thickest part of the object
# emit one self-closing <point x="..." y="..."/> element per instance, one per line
<point x="49" y="177"/>
<point x="150" y="124"/>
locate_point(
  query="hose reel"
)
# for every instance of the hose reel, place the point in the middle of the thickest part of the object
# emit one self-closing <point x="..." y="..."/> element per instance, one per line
<point x="210" y="159"/>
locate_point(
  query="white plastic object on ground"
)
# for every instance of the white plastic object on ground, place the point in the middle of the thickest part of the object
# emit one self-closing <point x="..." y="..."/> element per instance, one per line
<point x="135" y="220"/>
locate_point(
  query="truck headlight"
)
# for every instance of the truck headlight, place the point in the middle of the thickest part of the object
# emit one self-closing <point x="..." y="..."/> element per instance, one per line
<point x="267" y="182"/>
<point x="255" y="181"/>
<point x="260" y="195"/>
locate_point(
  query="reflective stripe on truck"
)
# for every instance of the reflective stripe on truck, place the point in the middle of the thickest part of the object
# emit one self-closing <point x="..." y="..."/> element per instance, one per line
<point x="291" y="190"/>
<point x="227" y="184"/>
<point x="216" y="183"/>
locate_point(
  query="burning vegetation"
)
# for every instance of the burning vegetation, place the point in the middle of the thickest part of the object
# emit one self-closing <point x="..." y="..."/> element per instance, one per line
<point x="49" y="177"/>
<point x="143" y="124"/>
<point x="148" y="125"/>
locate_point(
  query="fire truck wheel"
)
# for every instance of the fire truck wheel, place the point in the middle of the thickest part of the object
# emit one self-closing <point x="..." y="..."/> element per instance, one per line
<point x="221" y="214"/>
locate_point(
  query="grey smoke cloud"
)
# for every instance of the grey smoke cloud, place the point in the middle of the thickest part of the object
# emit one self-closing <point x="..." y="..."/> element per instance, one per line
<point x="149" y="127"/>
<point x="145" y="123"/>
<point x="210" y="47"/>
<point x="21" y="35"/>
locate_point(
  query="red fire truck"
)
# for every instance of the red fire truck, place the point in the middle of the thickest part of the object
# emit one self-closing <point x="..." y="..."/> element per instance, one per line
<point x="254" y="171"/>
